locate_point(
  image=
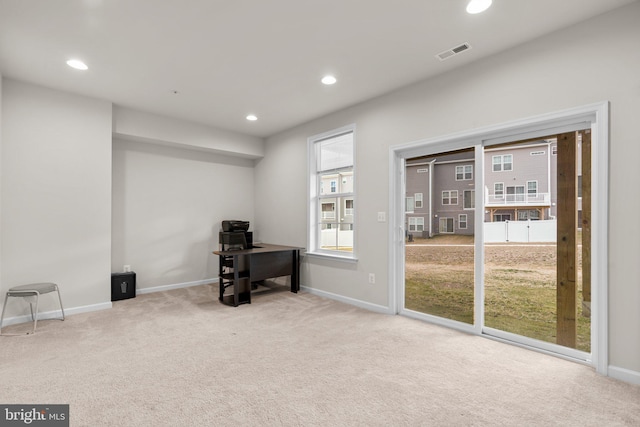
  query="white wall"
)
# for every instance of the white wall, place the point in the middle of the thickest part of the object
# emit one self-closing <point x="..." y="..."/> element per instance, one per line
<point x="142" y="126"/>
<point x="167" y="207"/>
<point x="592" y="62"/>
<point x="56" y="193"/>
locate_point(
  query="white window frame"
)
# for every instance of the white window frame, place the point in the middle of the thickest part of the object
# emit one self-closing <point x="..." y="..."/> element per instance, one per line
<point x="315" y="197"/>
<point x="517" y="197"/>
<point x="409" y="204"/>
<point x="415" y="222"/>
<point x="446" y="219"/>
<point x="418" y="198"/>
<point x="495" y="190"/>
<point x="347" y="210"/>
<point x="449" y="197"/>
<point x="534" y="194"/>
<point x="472" y="198"/>
<point x="461" y="221"/>
<point x="463" y="173"/>
<point x="500" y="162"/>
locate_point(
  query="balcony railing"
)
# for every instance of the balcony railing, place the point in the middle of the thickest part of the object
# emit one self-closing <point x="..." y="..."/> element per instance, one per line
<point x="538" y="199"/>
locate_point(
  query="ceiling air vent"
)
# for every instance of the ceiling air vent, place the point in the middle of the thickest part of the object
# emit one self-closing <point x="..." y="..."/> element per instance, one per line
<point x="453" y="51"/>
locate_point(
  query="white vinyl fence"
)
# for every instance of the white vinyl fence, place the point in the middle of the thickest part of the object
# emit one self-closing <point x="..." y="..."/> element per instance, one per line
<point x="333" y="238"/>
<point x="520" y="231"/>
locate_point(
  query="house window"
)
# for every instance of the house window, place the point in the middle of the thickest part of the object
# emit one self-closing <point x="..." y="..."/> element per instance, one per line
<point x="515" y="194"/>
<point x="450" y="197"/>
<point x="464" y="173"/>
<point x="501" y="217"/>
<point x="498" y="190"/>
<point x="418" y="200"/>
<point x="532" y="188"/>
<point x="348" y="207"/>
<point x="462" y="221"/>
<point x="446" y="225"/>
<point x="554" y="150"/>
<point x="502" y="163"/>
<point x="328" y="211"/>
<point x="468" y="199"/>
<point x="332" y="193"/>
<point x="416" y="224"/>
<point x="409" y="204"/>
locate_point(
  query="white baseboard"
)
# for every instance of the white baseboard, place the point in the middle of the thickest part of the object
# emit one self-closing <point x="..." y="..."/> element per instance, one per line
<point x="358" y="303"/>
<point x="56" y="314"/>
<point x="625" y="375"/>
<point x="175" y="286"/>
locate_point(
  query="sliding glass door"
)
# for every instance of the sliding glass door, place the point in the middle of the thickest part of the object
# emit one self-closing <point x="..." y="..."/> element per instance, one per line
<point x="497" y="238"/>
<point x="439" y="224"/>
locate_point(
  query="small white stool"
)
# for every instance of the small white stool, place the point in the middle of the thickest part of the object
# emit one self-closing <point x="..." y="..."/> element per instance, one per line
<point x="34" y="289"/>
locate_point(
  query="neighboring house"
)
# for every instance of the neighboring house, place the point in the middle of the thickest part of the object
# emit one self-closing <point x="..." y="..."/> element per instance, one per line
<point x="440" y="194"/>
<point x="520" y="182"/>
<point x="337" y="212"/>
<point x="519" y="185"/>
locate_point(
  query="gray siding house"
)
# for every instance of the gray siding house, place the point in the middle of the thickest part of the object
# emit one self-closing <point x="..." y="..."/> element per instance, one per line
<point x="519" y="185"/>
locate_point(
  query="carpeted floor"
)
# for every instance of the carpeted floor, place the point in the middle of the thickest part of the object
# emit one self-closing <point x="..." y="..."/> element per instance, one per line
<point x="180" y="358"/>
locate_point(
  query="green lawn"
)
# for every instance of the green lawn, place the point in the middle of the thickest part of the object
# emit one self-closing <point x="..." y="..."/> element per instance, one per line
<point x="520" y="289"/>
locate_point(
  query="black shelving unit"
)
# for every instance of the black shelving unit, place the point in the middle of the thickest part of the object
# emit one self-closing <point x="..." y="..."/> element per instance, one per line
<point x="233" y="276"/>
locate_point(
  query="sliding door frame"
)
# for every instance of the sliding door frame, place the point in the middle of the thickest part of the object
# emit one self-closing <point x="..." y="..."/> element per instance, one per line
<point x="592" y="116"/>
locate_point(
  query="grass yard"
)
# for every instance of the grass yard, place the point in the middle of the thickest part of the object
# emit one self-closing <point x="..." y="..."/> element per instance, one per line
<point x="520" y="286"/>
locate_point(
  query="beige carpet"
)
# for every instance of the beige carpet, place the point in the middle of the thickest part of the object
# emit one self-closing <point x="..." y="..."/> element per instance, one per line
<point x="179" y="358"/>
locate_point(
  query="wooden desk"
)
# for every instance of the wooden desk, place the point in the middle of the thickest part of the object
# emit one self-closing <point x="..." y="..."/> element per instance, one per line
<point x="241" y="268"/>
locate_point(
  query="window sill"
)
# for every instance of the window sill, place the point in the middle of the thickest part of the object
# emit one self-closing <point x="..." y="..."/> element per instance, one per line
<point x="335" y="257"/>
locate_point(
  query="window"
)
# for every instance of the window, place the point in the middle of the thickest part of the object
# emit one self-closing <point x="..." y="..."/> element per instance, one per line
<point x="502" y="163"/>
<point x="446" y="225"/>
<point x="515" y="194"/>
<point x="554" y="150"/>
<point x="468" y="199"/>
<point x="328" y="211"/>
<point x="348" y="207"/>
<point x="532" y="188"/>
<point x="410" y="204"/>
<point x="462" y="221"/>
<point x="418" y="200"/>
<point x="332" y="193"/>
<point x="501" y="217"/>
<point x="498" y="190"/>
<point x="450" y="197"/>
<point x="416" y="224"/>
<point x="464" y="173"/>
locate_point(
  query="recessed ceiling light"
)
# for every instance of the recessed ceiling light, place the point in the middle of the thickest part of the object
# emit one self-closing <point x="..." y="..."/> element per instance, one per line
<point x="329" y="80"/>
<point x="77" y="64"/>
<point x="477" y="6"/>
<point x="252" y="117"/>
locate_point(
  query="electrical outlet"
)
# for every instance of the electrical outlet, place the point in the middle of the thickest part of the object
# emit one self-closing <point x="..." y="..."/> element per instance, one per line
<point x="372" y="278"/>
<point x="382" y="217"/>
<point x="127" y="268"/>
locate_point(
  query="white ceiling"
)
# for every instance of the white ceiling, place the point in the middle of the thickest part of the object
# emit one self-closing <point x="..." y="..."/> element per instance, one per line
<point x="229" y="58"/>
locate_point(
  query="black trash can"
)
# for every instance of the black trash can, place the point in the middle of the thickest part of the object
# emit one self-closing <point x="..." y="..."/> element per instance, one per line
<point x="123" y="286"/>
